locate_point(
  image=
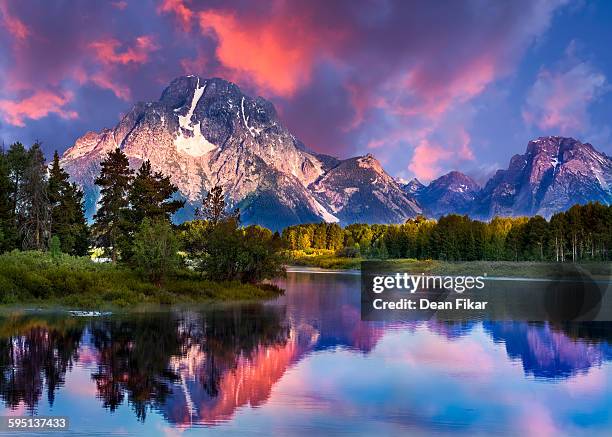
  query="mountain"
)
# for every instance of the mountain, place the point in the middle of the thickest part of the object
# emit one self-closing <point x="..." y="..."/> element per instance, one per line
<point x="554" y="174"/>
<point x="206" y="132"/>
<point x="452" y="193"/>
<point x="359" y="190"/>
<point x="413" y="187"/>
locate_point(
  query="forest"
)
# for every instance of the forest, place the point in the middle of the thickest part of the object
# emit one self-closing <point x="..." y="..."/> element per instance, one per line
<point x="582" y="233"/>
<point x="46" y="241"/>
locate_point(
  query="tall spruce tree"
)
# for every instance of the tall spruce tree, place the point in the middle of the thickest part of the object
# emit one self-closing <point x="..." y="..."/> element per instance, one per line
<point x="151" y="196"/>
<point x="68" y="220"/>
<point x="7" y="218"/>
<point x="111" y="218"/>
<point x="214" y="208"/>
<point x="17" y="159"/>
<point x="35" y="221"/>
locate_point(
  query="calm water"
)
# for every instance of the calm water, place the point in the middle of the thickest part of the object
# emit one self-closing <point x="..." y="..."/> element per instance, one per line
<point x="305" y="365"/>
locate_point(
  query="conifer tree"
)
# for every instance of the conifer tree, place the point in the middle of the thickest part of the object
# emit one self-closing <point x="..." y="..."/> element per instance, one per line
<point x="68" y="220"/>
<point x="7" y="219"/>
<point x="151" y="195"/>
<point x="214" y="208"/>
<point x="110" y="219"/>
<point x="17" y="160"/>
<point x="34" y="227"/>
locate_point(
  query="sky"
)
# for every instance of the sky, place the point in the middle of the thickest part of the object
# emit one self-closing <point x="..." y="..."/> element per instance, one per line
<point x="425" y="86"/>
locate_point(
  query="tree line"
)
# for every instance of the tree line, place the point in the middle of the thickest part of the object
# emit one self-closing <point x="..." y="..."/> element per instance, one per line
<point x="39" y="206"/>
<point x="584" y="232"/>
<point x="40" y="209"/>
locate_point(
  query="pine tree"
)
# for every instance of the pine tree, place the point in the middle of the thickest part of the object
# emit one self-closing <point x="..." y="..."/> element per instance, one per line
<point x="34" y="227"/>
<point x="213" y="207"/>
<point x="151" y="196"/>
<point x="17" y="159"/>
<point x="7" y="218"/>
<point x="110" y="219"/>
<point x="68" y="220"/>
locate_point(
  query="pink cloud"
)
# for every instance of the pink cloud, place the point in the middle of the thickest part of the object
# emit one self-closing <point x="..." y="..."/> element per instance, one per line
<point x="13" y="24"/>
<point x="559" y="99"/>
<point x="180" y="10"/>
<point x="38" y="105"/>
<point x="121" y="5"/>
<point x="106" y="51"/>
<point x="277" y="54"/>
<point x="536" y="420"/>
<point x="103" y="80"/>
<point x="465" y="151"/>
<point x="425" y="163"/>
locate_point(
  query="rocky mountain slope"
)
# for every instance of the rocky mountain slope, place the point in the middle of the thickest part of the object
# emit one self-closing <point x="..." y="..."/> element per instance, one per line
<point x="206" y="132"/>
<point x="452" y="193"/>
<point x="359" y="190"/>
<point x="554" y="174"/>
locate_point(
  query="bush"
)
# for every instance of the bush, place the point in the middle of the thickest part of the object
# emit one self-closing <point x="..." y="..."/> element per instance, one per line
<point x="156" y="249"/>
<point x="80" y="282"/>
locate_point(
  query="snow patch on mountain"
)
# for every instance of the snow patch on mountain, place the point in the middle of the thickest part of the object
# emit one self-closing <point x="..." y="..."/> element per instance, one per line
<point x="325" y="215"/>
<point x="190" y="139"/>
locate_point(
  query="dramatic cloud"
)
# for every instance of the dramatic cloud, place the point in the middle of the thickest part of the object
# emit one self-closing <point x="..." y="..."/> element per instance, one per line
<point x="405" y="80"/>
<point x="559" y="100"/>
<point x="276" y="54"/>
<point x="107" y="51"/>
<point x="13" y="25"/>
<point x="37" y="106"/>
<point x="180" y="10"/>
<point x="426" y="159"/>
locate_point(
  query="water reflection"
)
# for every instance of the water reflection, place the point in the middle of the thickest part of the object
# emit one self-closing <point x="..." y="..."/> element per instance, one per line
<point x="35" y="353"/>
<point x="200" y="366"/>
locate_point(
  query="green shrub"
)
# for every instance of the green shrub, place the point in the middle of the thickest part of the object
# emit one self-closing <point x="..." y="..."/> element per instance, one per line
<point x="80" y="282"/>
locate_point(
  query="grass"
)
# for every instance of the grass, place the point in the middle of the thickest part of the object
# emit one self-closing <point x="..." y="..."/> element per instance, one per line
<point x="523" y="269"/>
<point x="37" y="278"/>
<point x="325" y="259"/>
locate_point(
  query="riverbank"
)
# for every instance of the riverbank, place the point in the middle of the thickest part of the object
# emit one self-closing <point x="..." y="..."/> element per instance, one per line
<point x="505" y="269"/>
<point x="40" y="279"/>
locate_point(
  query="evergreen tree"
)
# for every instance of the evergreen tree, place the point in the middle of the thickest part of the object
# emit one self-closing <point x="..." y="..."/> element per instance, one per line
<point x="151" y="196"/>
<point x="17" y="161"/>
<point x="34" y="226"/>
<point x="7" y="218"/>
<point x="213" y="207"/>
<point x="68" y="220"/>
<point x="110" y="219"/>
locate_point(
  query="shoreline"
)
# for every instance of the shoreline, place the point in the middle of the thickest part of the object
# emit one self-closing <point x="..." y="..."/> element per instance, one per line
<point x="491" y="270"/>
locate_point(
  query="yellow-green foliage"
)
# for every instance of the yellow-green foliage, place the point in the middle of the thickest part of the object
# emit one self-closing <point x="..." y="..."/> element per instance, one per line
<point x="325" y="259"/>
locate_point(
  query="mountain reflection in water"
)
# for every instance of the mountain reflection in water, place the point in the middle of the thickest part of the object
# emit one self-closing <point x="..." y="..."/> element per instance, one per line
<point x="200" y="365"/>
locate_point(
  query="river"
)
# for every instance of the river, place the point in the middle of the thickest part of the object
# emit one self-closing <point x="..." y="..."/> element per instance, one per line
<point x="304" y="364"/>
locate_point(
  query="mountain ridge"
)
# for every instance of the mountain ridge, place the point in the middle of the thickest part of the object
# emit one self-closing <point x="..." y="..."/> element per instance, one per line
<point x="206" y="132"/>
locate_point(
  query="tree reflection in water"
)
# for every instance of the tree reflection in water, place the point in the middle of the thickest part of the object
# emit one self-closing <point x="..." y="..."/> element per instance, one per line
<point x="200" y="366"/>
<point x="35" y="353"/>
<point x="139" y="353"/>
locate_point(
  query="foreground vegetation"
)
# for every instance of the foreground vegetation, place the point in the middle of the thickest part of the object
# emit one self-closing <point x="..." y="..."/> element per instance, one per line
<point x="215" y="257"/>
<point x="43" y="279"/>
<point x="44" y="237"/>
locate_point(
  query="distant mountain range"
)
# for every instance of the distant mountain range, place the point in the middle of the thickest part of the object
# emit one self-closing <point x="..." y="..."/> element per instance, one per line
<point x="206" y="132"/>
<point x="554" y="174"/>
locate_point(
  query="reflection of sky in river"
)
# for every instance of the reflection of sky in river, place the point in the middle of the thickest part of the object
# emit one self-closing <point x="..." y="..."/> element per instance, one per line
<point x="329" y="372"/>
